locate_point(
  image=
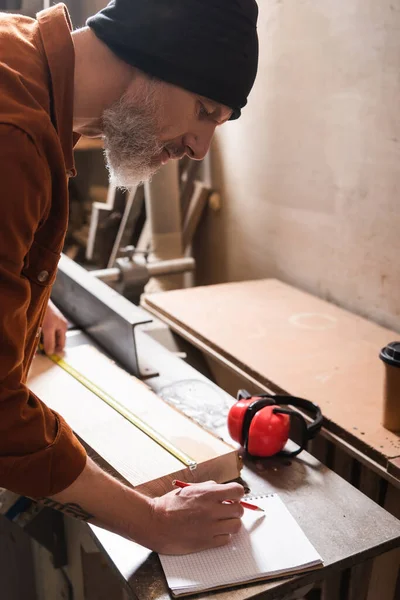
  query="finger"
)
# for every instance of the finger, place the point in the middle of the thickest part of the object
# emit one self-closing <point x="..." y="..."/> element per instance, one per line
<point x="197" y="489"/>
<point x="228" y="526"/>
<point x="60" y="339"/>
<point x="229" y="511"/>
<point x="220" y="540"/>
<point x="49" y="337"/>
<point x="206" y="484"/>
<point x="228" y="491"/>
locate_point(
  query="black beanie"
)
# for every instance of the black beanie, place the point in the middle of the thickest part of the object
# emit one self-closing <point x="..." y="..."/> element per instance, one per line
<point x="209" y="47"/>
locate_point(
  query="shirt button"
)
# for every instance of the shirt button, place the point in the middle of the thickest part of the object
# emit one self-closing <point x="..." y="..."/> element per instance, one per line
<point x="43" y="276"/>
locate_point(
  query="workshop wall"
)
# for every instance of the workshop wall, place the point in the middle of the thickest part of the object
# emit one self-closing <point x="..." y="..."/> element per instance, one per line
<point x="310" y="175"/>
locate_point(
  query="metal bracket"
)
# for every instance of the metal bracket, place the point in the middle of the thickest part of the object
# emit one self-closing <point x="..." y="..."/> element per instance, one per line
<point x="134" y="275"/>
<point x="105" y="315"/>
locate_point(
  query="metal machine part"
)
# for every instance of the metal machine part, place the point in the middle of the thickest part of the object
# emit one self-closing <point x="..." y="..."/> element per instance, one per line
<point x="106" y="316"/>
<point x="132" y="274"/>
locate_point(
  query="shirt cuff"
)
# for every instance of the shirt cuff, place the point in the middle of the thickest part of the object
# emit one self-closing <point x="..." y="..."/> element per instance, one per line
<point x="48" y="471"/>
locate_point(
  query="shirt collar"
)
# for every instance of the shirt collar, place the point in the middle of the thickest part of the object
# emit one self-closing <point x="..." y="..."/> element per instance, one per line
<point x="55" y="29"/>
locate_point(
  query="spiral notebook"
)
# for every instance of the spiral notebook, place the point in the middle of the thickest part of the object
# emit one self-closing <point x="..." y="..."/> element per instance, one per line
<point x="269" y="545"/>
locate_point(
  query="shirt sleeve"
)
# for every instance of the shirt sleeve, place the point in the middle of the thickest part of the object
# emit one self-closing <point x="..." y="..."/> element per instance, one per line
<point x="39" y="453"/>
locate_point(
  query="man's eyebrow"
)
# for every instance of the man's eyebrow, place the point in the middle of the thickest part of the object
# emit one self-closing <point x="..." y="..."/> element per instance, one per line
<point x="219" y="115"/>
<point x="216" y="111"/>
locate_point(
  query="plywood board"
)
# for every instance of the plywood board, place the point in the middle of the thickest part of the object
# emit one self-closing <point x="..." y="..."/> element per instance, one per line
<point x="130" y="452"/>
<point x="290" y="341"/>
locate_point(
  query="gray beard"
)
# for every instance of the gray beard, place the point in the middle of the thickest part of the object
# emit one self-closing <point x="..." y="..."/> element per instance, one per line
<point x="130" y="140"/>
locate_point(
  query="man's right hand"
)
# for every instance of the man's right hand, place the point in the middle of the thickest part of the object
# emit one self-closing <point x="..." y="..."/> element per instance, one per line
<point x="186" y="520"/>
<point x="195" y="518"/>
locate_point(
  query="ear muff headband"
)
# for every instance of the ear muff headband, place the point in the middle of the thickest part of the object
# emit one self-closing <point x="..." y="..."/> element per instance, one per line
<point x="304" y="437"/>
<point x="312" y="428"/>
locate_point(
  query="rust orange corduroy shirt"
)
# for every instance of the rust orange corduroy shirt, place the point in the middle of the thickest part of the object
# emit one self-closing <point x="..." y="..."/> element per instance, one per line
<point x="39" y="454"/>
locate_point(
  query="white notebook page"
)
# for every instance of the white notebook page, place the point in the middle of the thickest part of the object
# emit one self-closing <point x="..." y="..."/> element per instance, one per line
<point x="268" y="544"/>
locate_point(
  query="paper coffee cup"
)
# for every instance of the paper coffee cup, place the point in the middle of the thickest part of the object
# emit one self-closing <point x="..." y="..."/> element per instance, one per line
<point x="391" y="391"/>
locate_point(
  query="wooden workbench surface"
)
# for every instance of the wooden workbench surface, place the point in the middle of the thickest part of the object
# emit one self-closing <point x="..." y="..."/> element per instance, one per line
<point x="332" y="513"/>
<point x="344" y="525"/>
<point x="290" y="341"/>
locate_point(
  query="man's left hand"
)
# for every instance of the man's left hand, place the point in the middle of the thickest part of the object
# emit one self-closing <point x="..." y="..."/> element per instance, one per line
<point x="54" y="330"/>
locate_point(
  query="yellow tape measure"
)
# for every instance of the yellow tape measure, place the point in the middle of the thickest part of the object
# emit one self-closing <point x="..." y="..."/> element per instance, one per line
<point x="125" y="412"/>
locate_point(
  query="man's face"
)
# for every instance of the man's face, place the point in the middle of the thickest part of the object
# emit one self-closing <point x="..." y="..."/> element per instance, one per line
<point x="154" y="123"/>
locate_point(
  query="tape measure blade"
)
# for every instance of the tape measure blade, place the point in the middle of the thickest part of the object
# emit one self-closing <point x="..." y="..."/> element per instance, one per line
<point x="125" y="412"/>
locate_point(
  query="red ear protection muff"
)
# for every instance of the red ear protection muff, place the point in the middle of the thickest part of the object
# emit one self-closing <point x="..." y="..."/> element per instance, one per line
<point x="262" y="427"/>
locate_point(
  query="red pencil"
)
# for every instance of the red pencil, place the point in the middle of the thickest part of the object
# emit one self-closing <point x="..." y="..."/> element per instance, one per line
<point x="182" y="484"/>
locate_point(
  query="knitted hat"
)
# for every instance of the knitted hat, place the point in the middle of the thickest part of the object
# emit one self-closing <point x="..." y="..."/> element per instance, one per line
<point x="208" y="47"/>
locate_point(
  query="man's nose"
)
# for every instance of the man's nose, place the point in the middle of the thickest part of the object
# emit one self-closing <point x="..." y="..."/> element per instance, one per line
<point x="197" y="145"/>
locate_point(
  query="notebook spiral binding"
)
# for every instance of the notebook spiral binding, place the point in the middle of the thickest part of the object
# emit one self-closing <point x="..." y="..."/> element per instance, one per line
<point x="259" y="496"/>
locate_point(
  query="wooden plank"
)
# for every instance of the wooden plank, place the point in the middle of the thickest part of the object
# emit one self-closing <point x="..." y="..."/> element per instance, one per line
<point x="332" y="587"/>
<point x="392" y="501"/>
<point x="105" y="221"/>
<point x="372" y="485"/>
<point x="319" y="448"/>
<point x="156" y="469"/>
<point x="133" y="206"/>
<point x="187" y="183"/>
<point x="385" y="572"/>
<point x="334" y="353"/>
<point x="383" y="577"/>
<point x="197" y="204"/>
<point x="144" y="240"/>
<point x="85" y="144"/>
<point x="360" y="580"/>
<point x="343" y="464"/>
<point x="394" y="467"/>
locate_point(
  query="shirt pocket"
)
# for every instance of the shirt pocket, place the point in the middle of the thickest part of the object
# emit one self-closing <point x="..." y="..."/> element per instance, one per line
<point x="40" y="265"/>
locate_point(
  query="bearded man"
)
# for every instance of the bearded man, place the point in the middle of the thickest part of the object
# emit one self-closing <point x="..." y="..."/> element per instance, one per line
<point x="154" y="78"/>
